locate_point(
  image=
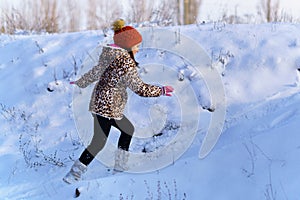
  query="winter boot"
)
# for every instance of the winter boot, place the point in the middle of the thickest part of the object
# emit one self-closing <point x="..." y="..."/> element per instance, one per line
<point x="121" y="159"/>
<point x="75" y="173"/>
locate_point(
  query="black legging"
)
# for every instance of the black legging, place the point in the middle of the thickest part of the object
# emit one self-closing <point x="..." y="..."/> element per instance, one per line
<point x="102" y="128"/>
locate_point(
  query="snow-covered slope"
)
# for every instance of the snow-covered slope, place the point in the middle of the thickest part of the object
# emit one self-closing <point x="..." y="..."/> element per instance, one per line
<point x="256" y="157"/>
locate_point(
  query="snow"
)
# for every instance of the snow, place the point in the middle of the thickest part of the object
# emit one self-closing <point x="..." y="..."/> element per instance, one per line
<point x="255" y="157"/>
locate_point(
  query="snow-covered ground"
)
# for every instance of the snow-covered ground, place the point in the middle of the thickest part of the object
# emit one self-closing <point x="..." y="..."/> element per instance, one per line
<point x="256" y="156"/>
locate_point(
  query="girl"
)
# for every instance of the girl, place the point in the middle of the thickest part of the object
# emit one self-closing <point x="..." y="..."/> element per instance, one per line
<point x="115" y="71"/>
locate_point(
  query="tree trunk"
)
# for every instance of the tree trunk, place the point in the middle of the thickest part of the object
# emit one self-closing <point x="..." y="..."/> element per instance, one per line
<point x="190" y="10"/>
<point x="186" y="11"/>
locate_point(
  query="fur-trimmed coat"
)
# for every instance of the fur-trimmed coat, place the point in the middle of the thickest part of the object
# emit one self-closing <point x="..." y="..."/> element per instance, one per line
<point x="115" y="71"/>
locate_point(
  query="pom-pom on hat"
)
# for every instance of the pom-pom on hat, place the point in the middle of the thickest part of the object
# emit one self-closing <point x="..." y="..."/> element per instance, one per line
<point x="125" y="36"/>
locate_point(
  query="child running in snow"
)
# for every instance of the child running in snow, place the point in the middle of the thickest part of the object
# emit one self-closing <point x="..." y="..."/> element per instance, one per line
<point x="115" y="72"/>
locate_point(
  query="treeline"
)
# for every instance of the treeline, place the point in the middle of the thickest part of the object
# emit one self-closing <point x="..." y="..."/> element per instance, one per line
<point x="56" y="16"/>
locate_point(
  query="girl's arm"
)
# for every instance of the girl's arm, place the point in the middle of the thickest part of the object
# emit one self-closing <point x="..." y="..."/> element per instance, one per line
<point x="134" y="82"/>
<point x="92" y="75"/>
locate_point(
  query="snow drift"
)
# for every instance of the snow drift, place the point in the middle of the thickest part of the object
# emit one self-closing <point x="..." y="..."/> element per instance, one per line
<point x="256" y="156"/>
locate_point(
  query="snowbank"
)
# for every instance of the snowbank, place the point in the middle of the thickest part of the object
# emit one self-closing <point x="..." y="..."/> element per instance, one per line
<point x="255" y="157"/>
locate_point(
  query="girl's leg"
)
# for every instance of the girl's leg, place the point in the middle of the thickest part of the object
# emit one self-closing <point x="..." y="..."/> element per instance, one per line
<point x="122" y="154"/>
<point x="102" y="127"/>
<point x="101" y="130"/>
<point x="127" y="130"/>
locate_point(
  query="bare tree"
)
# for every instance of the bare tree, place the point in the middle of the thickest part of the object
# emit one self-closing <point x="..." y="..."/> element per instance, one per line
<point x="50" y="20"/>
<point x="65" y="16"/>
<point x="140" y="10"/>
<point x="165" y="13"/>
<point x="34" y="16"/>
<point x="270" y="10"/>
<point x="102" y="13"/>
<point x="92" y="15"/>
<point x="188" y="11"/>
<point x="73" y="17"/>
<point x="2" y="26"/>
<point x="162" y="12"/>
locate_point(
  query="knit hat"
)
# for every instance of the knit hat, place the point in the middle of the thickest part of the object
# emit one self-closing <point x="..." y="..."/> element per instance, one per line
<point x="125" y="36"/>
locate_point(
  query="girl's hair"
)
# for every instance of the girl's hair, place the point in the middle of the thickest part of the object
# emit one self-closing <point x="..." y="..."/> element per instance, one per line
<point x="132" y="56"/>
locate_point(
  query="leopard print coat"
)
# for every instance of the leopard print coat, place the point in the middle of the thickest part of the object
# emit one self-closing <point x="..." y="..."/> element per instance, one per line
<point x="115" y="72"/>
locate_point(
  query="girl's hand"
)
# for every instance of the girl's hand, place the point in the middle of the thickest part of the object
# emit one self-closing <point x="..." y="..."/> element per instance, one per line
<point x="167" y="90"/>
